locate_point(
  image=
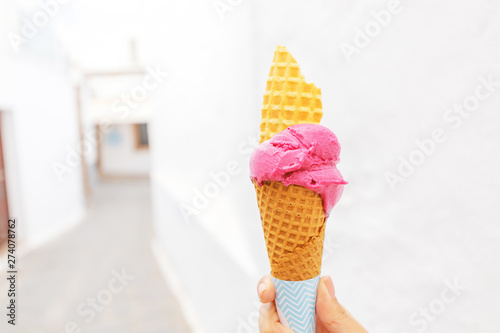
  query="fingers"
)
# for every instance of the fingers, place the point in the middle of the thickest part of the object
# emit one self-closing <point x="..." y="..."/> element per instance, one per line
<point x="265" y="289"/>
<point x="330" y="313"/>
<point x="269" y="321"/>
<point x="333" y="316"/>
<point x="329" y="310"/>
<point x="268" y="318"/>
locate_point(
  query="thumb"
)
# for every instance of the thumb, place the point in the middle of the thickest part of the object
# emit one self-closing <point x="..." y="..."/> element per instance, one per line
<point x="331" y="314"/>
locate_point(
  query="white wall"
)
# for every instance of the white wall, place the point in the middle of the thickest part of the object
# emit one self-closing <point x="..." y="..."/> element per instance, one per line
<point x="202" y="116"/>
<point x="119" y="154"/>
<point x="41" y="103"/>
<point x="9" y="24"/>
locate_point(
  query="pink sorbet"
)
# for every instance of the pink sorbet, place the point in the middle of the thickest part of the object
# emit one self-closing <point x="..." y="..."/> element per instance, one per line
<point x="304" y="155"/>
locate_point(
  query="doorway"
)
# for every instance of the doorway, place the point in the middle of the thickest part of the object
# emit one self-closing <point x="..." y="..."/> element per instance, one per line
<point x="4" y="205"/>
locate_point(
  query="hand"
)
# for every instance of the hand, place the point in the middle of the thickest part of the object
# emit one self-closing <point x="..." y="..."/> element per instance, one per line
<point x="331" y="316"/>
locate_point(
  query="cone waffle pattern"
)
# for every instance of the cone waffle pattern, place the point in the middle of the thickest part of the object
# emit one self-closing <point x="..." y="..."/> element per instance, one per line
<point x="293" y="220"/>
<point x="289" y="99"/>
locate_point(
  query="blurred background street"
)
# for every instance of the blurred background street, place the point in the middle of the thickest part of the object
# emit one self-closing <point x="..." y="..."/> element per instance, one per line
<point x="125" y="133"/>
<point x="102" y="275"/>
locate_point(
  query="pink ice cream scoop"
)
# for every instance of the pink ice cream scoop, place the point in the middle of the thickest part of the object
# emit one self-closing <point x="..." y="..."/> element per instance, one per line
<point x="304" y="155"/>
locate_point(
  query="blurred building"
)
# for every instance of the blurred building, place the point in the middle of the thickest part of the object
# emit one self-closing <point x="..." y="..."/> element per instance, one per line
<point x="63" y="123"/>
<point x="39" y="131"/>
<point x="117" y="114"/>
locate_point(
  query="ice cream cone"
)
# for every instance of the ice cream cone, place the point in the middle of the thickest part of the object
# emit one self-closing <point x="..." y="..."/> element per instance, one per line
<point x="293" y="220"/>
<point x="293" y="216"/>
<point x="289" y="99"/>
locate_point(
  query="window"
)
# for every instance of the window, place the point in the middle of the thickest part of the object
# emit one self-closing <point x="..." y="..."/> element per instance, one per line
<point x="141" y="136"/>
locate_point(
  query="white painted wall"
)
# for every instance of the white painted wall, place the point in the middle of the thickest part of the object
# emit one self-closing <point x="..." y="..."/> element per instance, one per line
<point x="41" y="105"/>
<point x="119" y="154"/>
<point x="9" y="24"/>
<point x="200" y="121"/>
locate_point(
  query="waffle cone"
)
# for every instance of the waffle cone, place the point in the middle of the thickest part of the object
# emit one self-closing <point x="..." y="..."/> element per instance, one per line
<point x="289" y="99"/>
<point x="293" y="220"/>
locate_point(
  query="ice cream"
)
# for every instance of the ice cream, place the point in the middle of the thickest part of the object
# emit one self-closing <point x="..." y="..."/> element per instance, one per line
<point x="304" y="155"/>
<point x="297" y="184"/>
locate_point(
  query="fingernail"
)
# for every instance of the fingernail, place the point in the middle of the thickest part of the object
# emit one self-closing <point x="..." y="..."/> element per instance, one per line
<point x="261" y="289"/>
<point x="329" y="286"/>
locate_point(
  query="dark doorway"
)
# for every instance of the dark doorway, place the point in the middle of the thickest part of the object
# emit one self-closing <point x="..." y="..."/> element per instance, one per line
<point x="4" y="206"/>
